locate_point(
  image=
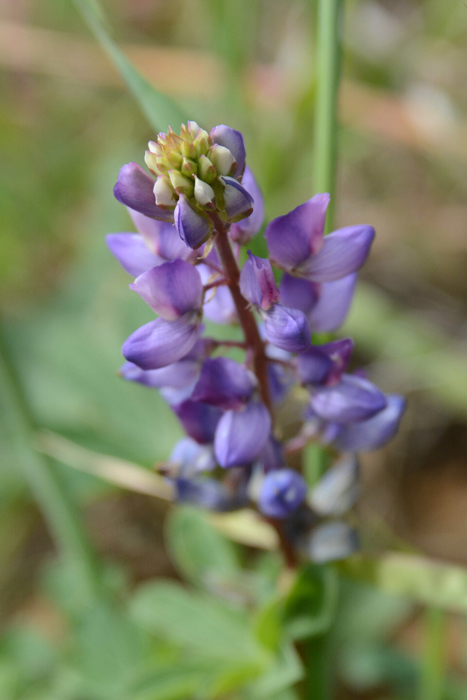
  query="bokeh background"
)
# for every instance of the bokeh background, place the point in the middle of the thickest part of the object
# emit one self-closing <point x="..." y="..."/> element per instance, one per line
<point x="67" y="123"/>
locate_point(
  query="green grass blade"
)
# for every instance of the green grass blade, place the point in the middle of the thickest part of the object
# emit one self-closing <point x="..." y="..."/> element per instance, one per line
<point x="159" y="109"/>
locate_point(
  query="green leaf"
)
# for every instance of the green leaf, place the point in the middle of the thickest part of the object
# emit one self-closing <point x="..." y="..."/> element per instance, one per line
<point x="159" y="109"/>
<point x="200" y="553"/>
<point x="176" y="681"/>
<point x="197" y="623"/>
<point x="285" y="672"/>
<point x="311" y="605"/>
<point x="268" y="624"/>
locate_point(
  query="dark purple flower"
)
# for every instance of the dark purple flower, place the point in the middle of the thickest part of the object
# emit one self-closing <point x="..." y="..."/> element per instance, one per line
<point x="324" y="364"/>
<point x="224" y="383"/>
<point x="282" y="492"/>
<point x="257" y="282"/>
<point x="198" y="419"/>
<point x="171" y="289"/>
<point x="338" y="489"/>
<point x="296" y="243"/>
<point x="161" y="343"/>
<point x="331" y="542"/>
<point x="287" y="329"/>
<point x="325" y="305"/>
<point x="193" y="228"/>
<point x="238" y="202"/>
<point x="352" y="399"/>
<point x="135" y="188"/>
<point x="233" y="140"/>
<point x="241" y="435"/>
<point x="376" y="431"/>
<point x="244" y="230"/>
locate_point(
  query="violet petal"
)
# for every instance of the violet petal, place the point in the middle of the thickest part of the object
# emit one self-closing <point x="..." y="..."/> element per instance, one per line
<point x="257" y="282"/>
<point x="238" y="203"/>
<point x="294" y="237"/>
<point x="298" y="293"/>
<point x="244" y="230"/>
<point x="287" y="329"/>
<point x="352" y="399"/>
<point x="233" y="140"/>
<point x="134" y="188"/>
<point x="198" y="419"/>
<point x="241" y="435"/>
<point x="324" y="364"/>
<point x="177" y="375"/>
<point x="171" y="289"/>
<point x="131" y="252"/>
<point x="224" y="383"/>
<point x="160" y="342"/>
<point x="282" y="492"/>
<point x="344" y="251"/>
<point x="332" y="305"/>
<point x="375" y="432"/>
<point x="193" y="228"/>
<point x="332" y="541"/>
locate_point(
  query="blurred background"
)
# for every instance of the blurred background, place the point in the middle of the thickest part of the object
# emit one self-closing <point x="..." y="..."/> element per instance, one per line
<point x="67" y="124"/>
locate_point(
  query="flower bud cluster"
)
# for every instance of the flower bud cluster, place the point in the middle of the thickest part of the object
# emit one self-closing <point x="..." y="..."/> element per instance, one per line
<point x="238" y="450"/>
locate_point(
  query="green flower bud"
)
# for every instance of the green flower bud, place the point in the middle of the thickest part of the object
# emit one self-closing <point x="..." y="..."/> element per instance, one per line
<point x="163" y="164"/>
<point x="175" y="158"/>
<point x="164" y="193"/>
<point x="204" y="194"/>
<point x="202" y="142"/>
<point x="188" y="150"/>
<point x="193" y="129"/>
<point x="155" y="148"/>
<point x="151" y="161"/>
<point x="180" y="183"/>
<point x="207" y="171"/>
<point x="189" y="167"/>
<point x="222" y="159"/>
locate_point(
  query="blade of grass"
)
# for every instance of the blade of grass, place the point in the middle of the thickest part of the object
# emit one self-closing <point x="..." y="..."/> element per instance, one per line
<point x="159" y="109"/>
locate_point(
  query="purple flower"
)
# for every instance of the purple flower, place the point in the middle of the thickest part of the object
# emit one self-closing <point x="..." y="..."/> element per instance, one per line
<point x="179" y="375"/>
<point x="189" y="458"/>
<point x="244" y="230"/>
<point x="331" y="542"/>
<point x="224" y="383"/>
<point x="282" y="492"/>
<point x="207" y="493"/>
<point x="375" y="432"/>
<point x="352" y="399"/>
<point x="324" y="364"/>
<point x="193" y="228"/>
<point x="135" y="188"/>
<point x="198" y="419"/>
<point x="338" y="489"/>
<point x="238" y="202"/>
<point x="218" y="305"/>
<point x="171" y="289"/>
<point x="132" y="253"/>
<point x="287" y="329"/>
<point x="257" y="282"/>
<point x="241" y="435"/>
<point x="296" y="243"/>
<point x="325" y="305"/>
<point x="233" y="140"/>
<point x="161" y="343"/>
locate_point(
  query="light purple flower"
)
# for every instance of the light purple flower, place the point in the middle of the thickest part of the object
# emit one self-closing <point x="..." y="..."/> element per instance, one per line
<point x="282" y="492"/>
<point x="257" y="282"/>
<point x="171" y="289"/>
<point x="375" y="432"/>
<point x="296" y="243"/>
<point x="161" y="343"/>
<point x="193" y="228"/>
<point x="241" y="435"/>
<point x="218" y="305"/>
<point x="331" y="542"/>
<point x="233" y="140"/>
<point x="244" y="230"/>
<point x="198" y="419"/>
<point x="352" y="399"/>
<point x="132" y="253"/>
<point x="224" y="383"/>
<point x="189" y="458"/>
<point x="134" y="188"/>
<point x="287" y="329"/>
<point x="238" y="202"/>
<point x="324" y="364"/>
<point x="178" y="375"/>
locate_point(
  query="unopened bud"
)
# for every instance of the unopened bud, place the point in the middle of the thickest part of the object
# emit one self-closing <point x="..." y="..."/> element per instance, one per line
<point x="155" y="148"/>
<point x="175" y="158"/>
<point x="163" y="192"/>
<point x="188" y="149"/>
<point x="180" y="183"/>
<point x="189" y="167"/>
<point x="204" y="194"/>
<point x="151" y="161"/>
<point x="202" y="142"/>
<point x="207" y="171"/>
<point x="222" y="159"/>
<point x="163" y="164"/>
<point x="193" y="129"/>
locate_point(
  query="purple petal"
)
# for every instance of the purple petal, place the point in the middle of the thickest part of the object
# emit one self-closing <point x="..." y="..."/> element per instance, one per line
<point x="219" y="305"/>
<point x="189" y="458"/>
<point x="131" y="252"/>
<point x="171" y="290"/>
<point x="224" y="383"/>
<point x="161" y="238"/>
<point x="177" y="376"/>
<point x="352" y="399"/>
<point x="280" y="380"/>
<point x="299" y="294"/>
<point x="374" y="432"/>
<point x="324" y="364"/>
<point x="244" y="230"/>
<point x="198" y="419"/>
<point x="343" y="252"/>
<point x="333" y="303"/>
<point x="242" y="435"/>
<point x="193" y="228"/>
<point x="206" y="493"/>
<point x="134" y="188"/>
<point x="257" y="282"/>
<point x="332" y="541"/>
<point x="282" y="492"/>
<point x="160" y="342"/>
<point x="272" y="456"/>
<point x="233" y="140"/>
<point x="338" y="489"/>
<point x="238" y="203"/>
<point x="287" y="329"/>
<point x="294" y="237"/>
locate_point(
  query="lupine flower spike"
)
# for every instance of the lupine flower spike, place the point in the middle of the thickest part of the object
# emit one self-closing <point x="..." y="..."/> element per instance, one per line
<point x="193" y="211"/>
